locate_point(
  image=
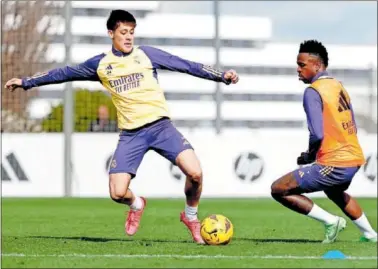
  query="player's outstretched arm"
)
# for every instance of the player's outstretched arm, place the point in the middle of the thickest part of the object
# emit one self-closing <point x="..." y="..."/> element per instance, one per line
<point x="83" y="71"/>
<point x="163" y="60"/>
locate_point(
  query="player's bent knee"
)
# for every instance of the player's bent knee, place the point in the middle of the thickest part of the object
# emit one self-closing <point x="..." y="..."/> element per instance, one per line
<point x="118" y="185"/>
<point x="117" y="192"/>
<point x="195" y="175"/>
<point x="277" y="193"/>
<point x="190" y="165"/>
<point x="116" y="199"/>
<point x="275" y="188"/>
<point x="117" y="195"/>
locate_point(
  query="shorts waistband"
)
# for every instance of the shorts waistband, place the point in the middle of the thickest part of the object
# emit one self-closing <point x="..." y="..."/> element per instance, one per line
<point x="144" y="126"/>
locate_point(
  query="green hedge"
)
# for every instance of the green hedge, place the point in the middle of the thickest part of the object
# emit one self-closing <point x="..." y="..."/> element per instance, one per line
<point x="86" y="107"/>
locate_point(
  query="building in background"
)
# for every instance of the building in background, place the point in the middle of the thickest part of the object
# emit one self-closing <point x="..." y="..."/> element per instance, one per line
<point x="268" y="94"/>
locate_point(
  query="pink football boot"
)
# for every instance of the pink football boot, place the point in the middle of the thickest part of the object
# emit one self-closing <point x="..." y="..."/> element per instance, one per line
<point x="133" y="219"/>
<point x="194" y="228"/>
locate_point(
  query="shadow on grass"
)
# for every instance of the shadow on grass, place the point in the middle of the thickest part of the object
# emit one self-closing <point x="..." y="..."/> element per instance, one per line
<point x="278" y="240"/>
<point x="149" y="241"/>
<point x="106" y="239"/>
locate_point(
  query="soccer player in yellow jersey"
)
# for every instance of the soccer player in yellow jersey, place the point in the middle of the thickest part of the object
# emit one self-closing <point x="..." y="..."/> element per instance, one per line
<point x="129" y="73"/>
<point x="333" y="149"/>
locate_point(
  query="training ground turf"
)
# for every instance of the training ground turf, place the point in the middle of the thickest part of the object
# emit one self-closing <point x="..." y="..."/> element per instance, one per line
<point x="90" y="233"/>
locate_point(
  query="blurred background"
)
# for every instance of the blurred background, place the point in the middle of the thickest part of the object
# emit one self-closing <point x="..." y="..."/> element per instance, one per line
<point x="72" y="126"/>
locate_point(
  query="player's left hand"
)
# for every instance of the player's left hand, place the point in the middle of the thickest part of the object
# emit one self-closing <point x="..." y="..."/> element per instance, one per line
<point x="304" y="159"/>
<point x="232" y="76"/>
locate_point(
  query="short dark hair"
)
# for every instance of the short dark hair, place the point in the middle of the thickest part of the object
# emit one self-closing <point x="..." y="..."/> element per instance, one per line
<point x="315" y="47"/>
<point x="117" y="16"/>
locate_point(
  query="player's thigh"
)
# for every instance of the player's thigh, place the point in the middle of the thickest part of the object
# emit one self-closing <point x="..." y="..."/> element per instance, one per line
<point x="172" y="145"/>
<point x="169" y="142"/>
<point x="307" y="179"/>
<point x="317" y="177"/>
<point x="128" y="155"/>
<point x="285" y="185"/>
<point x="189" y="164"/>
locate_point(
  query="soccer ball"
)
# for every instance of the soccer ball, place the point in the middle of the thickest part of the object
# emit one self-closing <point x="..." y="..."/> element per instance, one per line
<point x="217" y="230"/>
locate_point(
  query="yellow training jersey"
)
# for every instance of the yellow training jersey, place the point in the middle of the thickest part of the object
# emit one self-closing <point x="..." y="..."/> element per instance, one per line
<point x="340" y="146"/>
<point x="333" y="131"/>
<point x="131" y="79"/>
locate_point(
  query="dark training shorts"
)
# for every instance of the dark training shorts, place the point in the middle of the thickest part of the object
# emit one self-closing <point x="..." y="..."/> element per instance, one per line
<point x="324" y="178"/>
<point x="160" y="136"/>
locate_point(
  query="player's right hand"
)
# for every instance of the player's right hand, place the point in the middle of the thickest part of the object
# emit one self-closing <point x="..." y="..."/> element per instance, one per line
<point x="231" y="76"/>
<point x="13" y="84"/>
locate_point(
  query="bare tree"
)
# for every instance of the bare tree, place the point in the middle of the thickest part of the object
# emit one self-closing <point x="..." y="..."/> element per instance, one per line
<point x="25" y="39"/>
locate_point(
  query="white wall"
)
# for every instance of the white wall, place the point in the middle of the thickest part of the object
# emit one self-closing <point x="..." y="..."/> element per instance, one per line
<point x="41" y="158"/>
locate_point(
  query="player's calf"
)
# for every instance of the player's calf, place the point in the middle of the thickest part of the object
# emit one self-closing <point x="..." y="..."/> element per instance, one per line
<point x="120" y="193"/>
<point x="193" y="187"/>
<point x="193" y="190"/>
<point x="190" y="166"/>
<point x="345" y="202"/>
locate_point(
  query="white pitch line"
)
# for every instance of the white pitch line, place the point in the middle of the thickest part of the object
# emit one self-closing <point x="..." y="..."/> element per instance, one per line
<point x="266" y="257"/>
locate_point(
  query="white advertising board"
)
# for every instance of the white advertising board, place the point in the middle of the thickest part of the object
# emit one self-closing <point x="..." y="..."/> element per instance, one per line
<point x="31" y="165"/>
<point x="233" y="165"/>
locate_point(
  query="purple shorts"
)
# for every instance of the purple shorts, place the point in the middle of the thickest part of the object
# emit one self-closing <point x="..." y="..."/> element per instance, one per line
<point x="160" y="136"/>
<point x="318" y="177"/>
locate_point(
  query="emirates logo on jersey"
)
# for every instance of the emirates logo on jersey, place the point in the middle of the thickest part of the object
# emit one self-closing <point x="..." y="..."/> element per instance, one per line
<point x="126" y="83"/>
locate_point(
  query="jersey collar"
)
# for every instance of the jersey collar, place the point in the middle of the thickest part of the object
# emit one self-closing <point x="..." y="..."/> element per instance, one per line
<point x="120" y="53"/>
<point x="319" y="75"/>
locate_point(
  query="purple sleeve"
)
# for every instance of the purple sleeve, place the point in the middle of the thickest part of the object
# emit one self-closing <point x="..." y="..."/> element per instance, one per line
<point x="313" y="107"/>
<point x="83" y="71"/>
<point x="163" y="60"/>
<point x="354" y="119"/>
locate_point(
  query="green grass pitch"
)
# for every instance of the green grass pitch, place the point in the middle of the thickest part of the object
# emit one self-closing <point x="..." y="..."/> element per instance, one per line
<point x="89" y="233"/>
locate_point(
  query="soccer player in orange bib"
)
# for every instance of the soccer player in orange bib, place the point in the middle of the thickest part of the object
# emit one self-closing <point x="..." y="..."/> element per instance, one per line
<point x="129" y="73"/>
<point x="334" y="152"/>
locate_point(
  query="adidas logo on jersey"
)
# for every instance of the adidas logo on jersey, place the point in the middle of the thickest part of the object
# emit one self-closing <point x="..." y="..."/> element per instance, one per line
<point x="109" y="69"/>
<point x="343" y="102"/>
